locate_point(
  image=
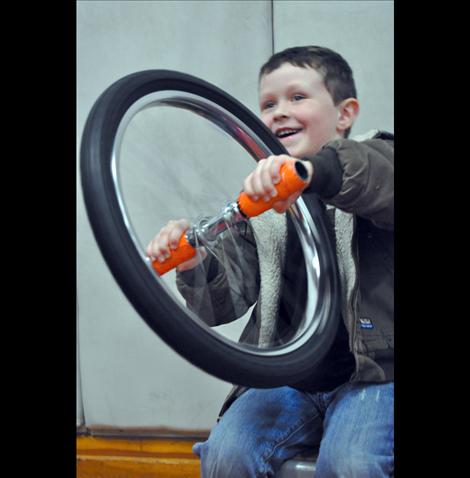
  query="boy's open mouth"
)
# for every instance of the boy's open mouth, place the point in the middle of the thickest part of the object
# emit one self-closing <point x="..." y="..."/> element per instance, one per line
<point x="286" y="132"/>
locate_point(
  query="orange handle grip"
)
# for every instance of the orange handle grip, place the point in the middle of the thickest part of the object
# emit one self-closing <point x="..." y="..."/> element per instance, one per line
<point x="182" y="253"/>
<point x="293" y="179"/>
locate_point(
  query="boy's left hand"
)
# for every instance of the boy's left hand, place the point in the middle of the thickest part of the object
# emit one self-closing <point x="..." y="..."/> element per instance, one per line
<point x="261" y="182"/>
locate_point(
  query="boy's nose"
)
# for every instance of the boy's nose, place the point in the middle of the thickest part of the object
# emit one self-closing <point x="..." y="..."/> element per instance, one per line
<point x="281" y="110"/>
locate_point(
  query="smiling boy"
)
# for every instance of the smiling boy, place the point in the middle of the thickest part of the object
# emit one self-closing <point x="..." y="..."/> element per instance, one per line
<point x="296" y="97"/>
<point x="308" y="100"/>
<point x="297" y="107"/>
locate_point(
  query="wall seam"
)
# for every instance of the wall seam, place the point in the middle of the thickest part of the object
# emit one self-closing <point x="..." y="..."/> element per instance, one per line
<point x="79" y="371"/>
<point x="272" y="27"/>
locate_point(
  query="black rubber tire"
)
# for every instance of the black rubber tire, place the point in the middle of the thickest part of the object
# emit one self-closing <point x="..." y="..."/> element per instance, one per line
<point x="147" y="295"/>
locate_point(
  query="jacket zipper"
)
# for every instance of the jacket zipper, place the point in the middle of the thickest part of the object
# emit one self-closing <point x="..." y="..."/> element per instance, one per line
<point x="353" y="301"/>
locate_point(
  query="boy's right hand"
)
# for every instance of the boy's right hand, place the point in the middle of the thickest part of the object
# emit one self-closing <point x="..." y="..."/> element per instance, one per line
<point x="261" y="182"/>
<point x="167" y="239"/>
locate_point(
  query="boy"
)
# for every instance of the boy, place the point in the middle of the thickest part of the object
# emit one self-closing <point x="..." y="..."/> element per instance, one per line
<point x="308" y="100"/>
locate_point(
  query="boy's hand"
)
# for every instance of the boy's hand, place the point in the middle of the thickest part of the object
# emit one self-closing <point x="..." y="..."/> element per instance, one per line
<point x="261" y="182"/>
<point x="167" y="239"/>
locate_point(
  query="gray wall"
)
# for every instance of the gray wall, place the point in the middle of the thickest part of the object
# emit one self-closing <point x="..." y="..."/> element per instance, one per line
<point x="362" y="32"/>
<point x="127" y="377"/>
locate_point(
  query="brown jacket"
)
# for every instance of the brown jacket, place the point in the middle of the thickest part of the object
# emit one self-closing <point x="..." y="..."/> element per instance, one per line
<point x="355" y="180"/>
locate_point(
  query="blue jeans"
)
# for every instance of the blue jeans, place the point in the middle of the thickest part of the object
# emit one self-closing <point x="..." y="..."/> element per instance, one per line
<point x="352" y="426"/>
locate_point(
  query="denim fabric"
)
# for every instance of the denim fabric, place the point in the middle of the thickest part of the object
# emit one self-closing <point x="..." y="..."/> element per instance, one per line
<point x="352" y="426"/>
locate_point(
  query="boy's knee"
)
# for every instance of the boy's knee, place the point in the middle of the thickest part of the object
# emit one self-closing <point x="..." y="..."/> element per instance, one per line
<point x="353" y="465"/>
<point x="224" y="458"/>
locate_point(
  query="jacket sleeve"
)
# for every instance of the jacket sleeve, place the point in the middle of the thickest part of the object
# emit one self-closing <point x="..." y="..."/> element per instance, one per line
<point x="357" y="177"/>
<point x="226" y="284"/>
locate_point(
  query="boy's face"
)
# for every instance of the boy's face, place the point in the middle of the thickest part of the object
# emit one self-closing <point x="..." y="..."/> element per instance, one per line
<point x="294" y="101"/>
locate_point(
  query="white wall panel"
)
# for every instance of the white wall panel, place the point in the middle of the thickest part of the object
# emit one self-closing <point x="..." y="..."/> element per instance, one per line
<point x="363" y="33"/>
<point x="129" y="377"/>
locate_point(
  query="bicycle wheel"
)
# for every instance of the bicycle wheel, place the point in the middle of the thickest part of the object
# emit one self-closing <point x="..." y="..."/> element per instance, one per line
<point x="172" y="187"/>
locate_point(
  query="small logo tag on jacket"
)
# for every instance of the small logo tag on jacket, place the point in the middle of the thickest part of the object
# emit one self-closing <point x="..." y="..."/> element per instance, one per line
<point x="366" y="323"/>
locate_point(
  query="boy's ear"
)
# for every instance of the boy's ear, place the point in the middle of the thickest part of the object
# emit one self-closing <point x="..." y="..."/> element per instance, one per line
<point x="348" y="110"/>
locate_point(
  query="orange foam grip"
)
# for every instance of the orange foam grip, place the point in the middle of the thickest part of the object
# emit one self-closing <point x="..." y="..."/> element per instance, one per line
<point x="290" y="183"/>
<point x="182" y="253"/>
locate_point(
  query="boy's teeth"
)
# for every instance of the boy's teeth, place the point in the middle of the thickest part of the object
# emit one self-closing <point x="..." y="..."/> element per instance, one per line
<point x="286" y="132"/>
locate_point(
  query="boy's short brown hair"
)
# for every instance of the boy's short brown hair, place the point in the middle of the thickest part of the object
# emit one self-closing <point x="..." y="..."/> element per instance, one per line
<point x="334" y="69"/>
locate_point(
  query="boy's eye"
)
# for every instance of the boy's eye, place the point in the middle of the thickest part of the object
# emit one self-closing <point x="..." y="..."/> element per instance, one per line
<point x="268" y="104"/>
<point x="298" y="97"/>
